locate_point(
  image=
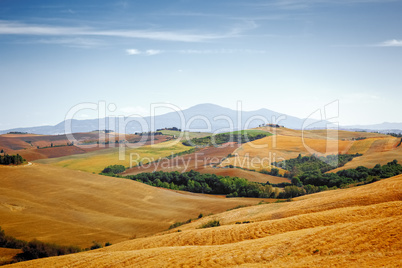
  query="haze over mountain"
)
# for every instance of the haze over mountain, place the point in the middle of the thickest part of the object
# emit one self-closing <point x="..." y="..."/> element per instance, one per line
<point x="203" y="117"/>
<point x="383" y="127"/>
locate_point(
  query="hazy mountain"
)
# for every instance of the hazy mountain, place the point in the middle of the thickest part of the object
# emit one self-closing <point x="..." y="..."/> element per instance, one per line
<point x="383" y="127"/>
<point x="202" y="117"/>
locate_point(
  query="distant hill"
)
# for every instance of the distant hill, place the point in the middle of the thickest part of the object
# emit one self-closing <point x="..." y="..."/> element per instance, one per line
<point x="198" y="118"/>
<point x="385" y="127"/>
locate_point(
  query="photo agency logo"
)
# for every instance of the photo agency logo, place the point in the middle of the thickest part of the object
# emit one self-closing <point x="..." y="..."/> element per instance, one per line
<point x="219" y="129"/>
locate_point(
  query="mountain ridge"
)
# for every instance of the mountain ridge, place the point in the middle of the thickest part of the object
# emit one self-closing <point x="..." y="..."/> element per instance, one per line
<point x="206" y="117"/>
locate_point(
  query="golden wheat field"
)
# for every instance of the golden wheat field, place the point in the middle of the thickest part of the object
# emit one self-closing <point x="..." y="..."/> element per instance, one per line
<point x="355" y="227"/>
<point x="70" y="207"/>
<point x="289" y="143"/>
<point x="96" y="161"/>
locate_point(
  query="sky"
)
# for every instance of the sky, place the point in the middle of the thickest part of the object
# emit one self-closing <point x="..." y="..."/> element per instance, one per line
<point x="290" y="56"/>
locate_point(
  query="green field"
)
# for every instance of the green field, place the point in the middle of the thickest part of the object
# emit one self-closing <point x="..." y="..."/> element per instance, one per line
<point x="98" y="160"/>
<point x="250" y="132"/>
<point x="187" y="135"/>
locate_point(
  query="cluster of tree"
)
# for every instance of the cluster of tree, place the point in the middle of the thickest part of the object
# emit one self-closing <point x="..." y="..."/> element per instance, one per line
<point x="17" y="132"/>
<point x="291" y="191"/>
<point x="308" y="175"/>
<point x="6" y="159"/>
<point x="52" y="145"/>
<point x="301" y="164"/>
<point x="211" y="223"/>
<point x="219" y="139"/>
<point x="272" y="172"/>
<point x="396" y="135"/>
<point x="106" y="131"/>
<point x="169" y="128"/>
<point x="10" y="242"/>
<point x="196" y="182"/>
<point x="150" y="133"/>
<point x="114" y="169"/>
<point x="351" y="176"/>
<point x="359" y="138"/>
<point x="36" y="249"/>
<point x="314" y="181"/>
<point x="270" y="125"/>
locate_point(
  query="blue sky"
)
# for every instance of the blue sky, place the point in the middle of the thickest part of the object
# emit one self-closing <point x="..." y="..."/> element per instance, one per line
<point x="285" y="55"/>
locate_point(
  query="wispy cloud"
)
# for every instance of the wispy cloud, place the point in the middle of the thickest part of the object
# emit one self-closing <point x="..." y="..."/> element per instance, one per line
<point x="133" y="51"/>
<point x="390" y="43"/>
<point x="72" y="42"/>
<point x="221" y="51"/>
<point x="302" y="4"/>
<point x="149" y="52"/>
<point x="17" y="28"/>
<point x="152" y="52"/>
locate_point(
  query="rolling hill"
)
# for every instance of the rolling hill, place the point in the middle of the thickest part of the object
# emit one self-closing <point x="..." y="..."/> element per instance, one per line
<point x="289" y="143"/>
<point x="356" y="227"/>
<point x="70" y="207"/>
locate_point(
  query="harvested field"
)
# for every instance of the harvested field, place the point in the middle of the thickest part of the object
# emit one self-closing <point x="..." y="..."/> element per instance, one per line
<point x="27" y="144"/>
<point x="356" y="227"/>
<point x="259" y="154"/>
<point x="96" y="161"/>
<point x="67" y="207"/>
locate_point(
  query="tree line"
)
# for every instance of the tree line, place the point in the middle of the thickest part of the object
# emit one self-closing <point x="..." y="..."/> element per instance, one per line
<point x="313" y="181"/>
<point x="219" y="139"/>
<point x="301" y="164"/>
<point x="196" y="182"/>
<point x="7" y="159"/>
<point x="36" y="249"/>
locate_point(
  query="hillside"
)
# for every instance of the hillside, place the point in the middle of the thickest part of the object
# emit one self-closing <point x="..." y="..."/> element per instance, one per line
<point x="65" y="206"/>
<point x="289" y="143"/>
<point x="33" y="147"/>
<point x="353" y="227"/>
<point x="203" y="161"/>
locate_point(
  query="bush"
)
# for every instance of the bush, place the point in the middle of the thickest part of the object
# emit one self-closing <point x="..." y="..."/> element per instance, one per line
<point x="218" y="139"/>
<point x="114" y="169"/>
<point x="211" y="223"/>
<point x="37" y="249"/>
<point x="205" y="183"/>
<point x="176" y="224"/>
<point x="95" y="245"/>
<point x="10" y="242"/>
<point x="11" y="159"/>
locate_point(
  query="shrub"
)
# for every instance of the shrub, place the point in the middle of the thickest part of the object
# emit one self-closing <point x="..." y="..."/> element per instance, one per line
<point x="211" y="223"/>
<point x="114" y="169"/>
<point x="95" y="245"/>
<point x="37" y="249"/>
<point x="10" y="242"/>
<point x="176" y="224"/>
